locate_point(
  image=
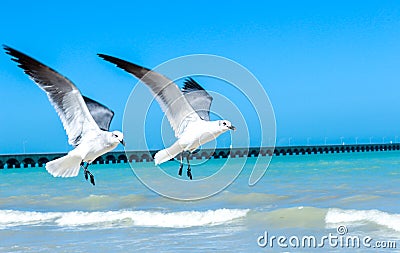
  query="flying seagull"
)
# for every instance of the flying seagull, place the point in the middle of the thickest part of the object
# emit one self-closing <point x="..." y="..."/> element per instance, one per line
<point x="187" y="111"/>
<point x="85" y="120"/>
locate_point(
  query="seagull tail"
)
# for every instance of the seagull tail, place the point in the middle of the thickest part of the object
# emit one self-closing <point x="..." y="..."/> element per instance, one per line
<point x="66" y="166"/>
<point x="168" y="153"/>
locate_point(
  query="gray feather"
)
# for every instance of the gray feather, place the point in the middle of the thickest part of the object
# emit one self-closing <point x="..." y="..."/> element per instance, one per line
<point x="100" y="113"/>
<point x="198" y="98"/>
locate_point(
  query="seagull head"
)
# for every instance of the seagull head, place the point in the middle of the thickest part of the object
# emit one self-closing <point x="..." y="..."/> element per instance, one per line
<point x="226" y="125"/>
<point x="118" y="137"/>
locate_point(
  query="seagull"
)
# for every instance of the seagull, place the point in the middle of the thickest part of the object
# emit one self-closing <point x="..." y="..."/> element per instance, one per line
<point x="188" y="111"/>
<point x="86" y="121"/>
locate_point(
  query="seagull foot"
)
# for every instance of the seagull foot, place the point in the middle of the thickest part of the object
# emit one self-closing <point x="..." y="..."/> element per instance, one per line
<point x="87" y="173"/>
<point x="180" y="170"/>
<point x="92" y="179"/>
<point x="189" y="173"/>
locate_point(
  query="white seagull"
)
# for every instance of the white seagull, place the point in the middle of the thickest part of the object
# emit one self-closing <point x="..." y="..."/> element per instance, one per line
<point x="85" y="120"/>
<point x="187" y="111"/>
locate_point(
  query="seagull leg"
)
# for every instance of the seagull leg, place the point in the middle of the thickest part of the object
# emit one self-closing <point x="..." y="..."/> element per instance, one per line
<point x="189" y="171"/>
<point x="87" y="172"/>
<point x="181" y="166"/>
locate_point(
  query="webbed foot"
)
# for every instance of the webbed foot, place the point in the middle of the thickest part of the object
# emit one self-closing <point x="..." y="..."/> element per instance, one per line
<point x="189" y="173"/>
<point x="87" y="173"/>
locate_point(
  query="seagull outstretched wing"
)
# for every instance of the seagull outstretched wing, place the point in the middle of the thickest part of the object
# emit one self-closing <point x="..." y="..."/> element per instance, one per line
<point x="63" y="95"/>
<point x="100" y="113"/>
<point x="198" y="98"/>
<point x="167" y="93"/>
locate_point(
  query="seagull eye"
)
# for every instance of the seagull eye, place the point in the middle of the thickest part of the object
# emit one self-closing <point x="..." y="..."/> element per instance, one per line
<point x="224" y="123"/>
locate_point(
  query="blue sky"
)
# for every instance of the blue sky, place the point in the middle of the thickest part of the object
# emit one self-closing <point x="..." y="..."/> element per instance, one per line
<point x="331" y="69"/>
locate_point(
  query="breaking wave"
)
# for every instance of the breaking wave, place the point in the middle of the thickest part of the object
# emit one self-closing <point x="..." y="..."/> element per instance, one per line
<point x="12" y="218"/>
<point x="338" y="216"/>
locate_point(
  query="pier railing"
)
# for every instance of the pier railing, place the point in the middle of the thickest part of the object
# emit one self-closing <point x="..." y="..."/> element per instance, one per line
<point x="38" y="160"/>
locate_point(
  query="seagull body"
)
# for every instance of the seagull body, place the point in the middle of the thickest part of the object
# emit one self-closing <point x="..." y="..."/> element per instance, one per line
<point x="85" y="120"/>
<point x="196" y="133"/>
<point x="92" y="146"/>
<point x="187" y="111"/>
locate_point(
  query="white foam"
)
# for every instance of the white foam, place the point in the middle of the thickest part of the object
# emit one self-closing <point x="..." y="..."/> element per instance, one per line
<point x="16" y="218"/>
<point x="114" y="218"/>
<point x="338" y="216"/>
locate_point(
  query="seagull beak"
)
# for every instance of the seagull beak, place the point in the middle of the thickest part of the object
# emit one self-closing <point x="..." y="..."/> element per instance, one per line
<point x="232" y="128"/>
<point x="122" y="142"/>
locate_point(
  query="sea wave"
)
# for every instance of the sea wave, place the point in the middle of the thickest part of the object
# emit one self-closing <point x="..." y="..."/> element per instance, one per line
<point x="183" y="219"/>
<point x="337" y="216"/>
<point x="253" y="198"/>
<point x="293" y="217"/>
<point x="312" y="217"/>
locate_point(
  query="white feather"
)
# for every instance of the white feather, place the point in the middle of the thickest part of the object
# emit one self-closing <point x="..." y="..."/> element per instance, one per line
<point x="167" y="154"/>
<point x="66" y="166"/>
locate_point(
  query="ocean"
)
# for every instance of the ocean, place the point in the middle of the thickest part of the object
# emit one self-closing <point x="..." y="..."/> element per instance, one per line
<point x="328" y="202"/>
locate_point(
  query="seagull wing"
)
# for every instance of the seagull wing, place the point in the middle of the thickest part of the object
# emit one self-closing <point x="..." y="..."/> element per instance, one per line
<point x="100" y="113"/>
<point x="172" y="101"/>
<point x="63" y="95"/>
<point x="198" y="98"/>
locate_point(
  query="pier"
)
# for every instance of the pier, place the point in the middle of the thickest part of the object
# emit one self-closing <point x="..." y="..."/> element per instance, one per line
<point x="38" y="160"/>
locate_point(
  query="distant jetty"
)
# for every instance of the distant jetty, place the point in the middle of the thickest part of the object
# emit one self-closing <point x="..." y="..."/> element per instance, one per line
<point x="38" y="160"/>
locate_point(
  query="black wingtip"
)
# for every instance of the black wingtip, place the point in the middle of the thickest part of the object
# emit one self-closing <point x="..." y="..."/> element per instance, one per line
<point x="24" y="61"/>
<point x="16" y="55"/>
<point x="130" y="67"/>
<point x="191" y="84"/>
<point x="7" y="48"/>
<point x="103" y="56"/>
<point x="11" y="51"/>
<point x="111" y="59"/>
<point x="20" y="58"/>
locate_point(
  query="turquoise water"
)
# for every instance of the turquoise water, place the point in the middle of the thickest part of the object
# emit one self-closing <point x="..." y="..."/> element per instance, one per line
<point x="298" y="196"/>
